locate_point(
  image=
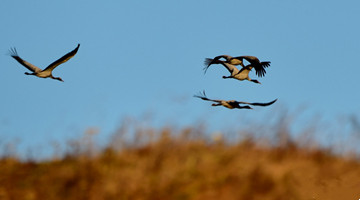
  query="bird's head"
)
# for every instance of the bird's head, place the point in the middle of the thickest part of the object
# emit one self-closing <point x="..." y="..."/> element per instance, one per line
<point x="59" y="79"/>
<point x="256" y="81"/>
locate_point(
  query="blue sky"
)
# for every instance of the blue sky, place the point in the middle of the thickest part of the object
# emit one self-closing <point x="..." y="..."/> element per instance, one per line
<point x="145" y="58"/>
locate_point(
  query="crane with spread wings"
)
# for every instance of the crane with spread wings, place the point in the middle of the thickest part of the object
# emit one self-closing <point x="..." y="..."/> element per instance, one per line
<point x="47" y="72"/>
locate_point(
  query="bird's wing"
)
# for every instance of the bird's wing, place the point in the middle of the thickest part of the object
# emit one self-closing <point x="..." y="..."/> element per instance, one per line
<point x="250" y="59"/>
<point x="226" y="57"/>
<point x="207" y="63"/>
<point x="260" y="69"/>
<point x="63" y="59"/>
<point x="255" y="62"/>
<point x="245" y="69"/>
<point x="31" y="67"/>
<point x="258" y="104"/>
<point x="231" y="68"/>
<point x="236" y="104"/>
<point x="265" y="64"/>
<point x="202" y="96"/>
<point x="216" y="60"/>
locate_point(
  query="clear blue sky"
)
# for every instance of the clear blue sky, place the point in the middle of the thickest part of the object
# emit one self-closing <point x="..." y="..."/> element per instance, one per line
<point x="140" y="58"/>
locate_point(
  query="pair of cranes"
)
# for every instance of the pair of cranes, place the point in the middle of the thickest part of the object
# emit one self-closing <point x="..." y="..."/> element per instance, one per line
<point x="229" y="63"/>
<point x="243" y="74"/>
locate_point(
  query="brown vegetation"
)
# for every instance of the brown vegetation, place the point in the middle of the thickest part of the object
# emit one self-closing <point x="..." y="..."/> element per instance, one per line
<point x="181" y="166"/>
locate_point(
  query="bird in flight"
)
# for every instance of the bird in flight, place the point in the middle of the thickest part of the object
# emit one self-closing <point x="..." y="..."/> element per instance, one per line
<point x="255" y="63"/>
<point x="47" y="72"/>
<point x="243" y="74"/>
<point x="231" y="104"/>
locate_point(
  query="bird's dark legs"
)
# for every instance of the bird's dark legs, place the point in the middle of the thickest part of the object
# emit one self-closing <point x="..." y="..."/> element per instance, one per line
<point x="27" y="73"/>
<point x="244" y="107"/>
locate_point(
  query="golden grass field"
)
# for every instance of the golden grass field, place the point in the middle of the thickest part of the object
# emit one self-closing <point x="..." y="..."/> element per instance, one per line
<point x="184" y="165"/>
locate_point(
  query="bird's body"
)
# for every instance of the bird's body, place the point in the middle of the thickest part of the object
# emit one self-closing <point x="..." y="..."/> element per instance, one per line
<point x="47" y="72"/>
<point x="231" y="104"/>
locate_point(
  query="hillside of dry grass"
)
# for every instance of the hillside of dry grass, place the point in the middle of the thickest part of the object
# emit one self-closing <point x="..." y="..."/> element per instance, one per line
<point x="188" y="165"/>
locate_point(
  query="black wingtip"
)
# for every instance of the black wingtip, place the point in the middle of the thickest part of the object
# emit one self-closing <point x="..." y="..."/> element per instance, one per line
<point x="76" y="49"/>
<point x="260" y="72"/>
<point x="201" y="95"/>
<point x="271" y="102"/>
<point x="12" y="52"/>
<point x="207" y="63"/>
<point x="265" y="64"/>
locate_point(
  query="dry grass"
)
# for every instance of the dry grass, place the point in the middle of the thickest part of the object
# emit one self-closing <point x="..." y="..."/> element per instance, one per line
<point x="181" y="166"/>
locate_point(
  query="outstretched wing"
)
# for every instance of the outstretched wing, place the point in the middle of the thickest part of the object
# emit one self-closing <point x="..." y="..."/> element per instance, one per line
<point x="246" y="69"/>
<point x="260" y="69"/>
<point x="255" y="62"/>
<point x="235" y="104"/>
<point x="258" y="104"/>
<point x="250" y="59"/>
<point x="265" y="64"/>
<point x="202" y="96"/>
<point x="228" y="66"/>
<point x="216" y="60"/>
<point x="207" y="63"/>
<point x="63" y="59"/>
<point x="13" y="53"/>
